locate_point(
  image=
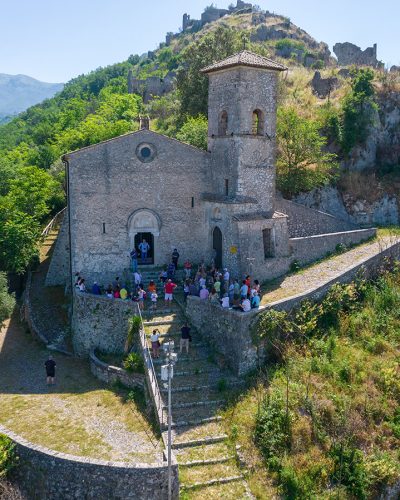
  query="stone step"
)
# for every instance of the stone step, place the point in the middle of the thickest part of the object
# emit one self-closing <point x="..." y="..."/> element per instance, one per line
<point x="195" y="403"/>
<point x="198" y="433"/>
<point x="237" y="490"/>
<point x="191" y="421"/>
<point x="211" y="461"/>
<point x="182" y="399"/>
<point x="208" y="441"/>
<point x="204" y="387"/>
<point x="205" y="475"/>
<point x="195" y="413"/>
<point x="211" y="482"/>
<point x="182" y="358"/>
<point x="195" y="371"/>
<point x="203" y="451"/>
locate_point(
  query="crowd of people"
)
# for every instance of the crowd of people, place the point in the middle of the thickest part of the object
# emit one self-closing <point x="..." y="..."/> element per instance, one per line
<point x="208" y="283"/>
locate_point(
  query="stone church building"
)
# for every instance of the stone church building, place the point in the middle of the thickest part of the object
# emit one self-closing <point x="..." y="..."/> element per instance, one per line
<point x="219" y="203"/>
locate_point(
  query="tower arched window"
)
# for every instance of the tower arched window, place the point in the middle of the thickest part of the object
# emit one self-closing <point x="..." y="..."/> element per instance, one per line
<point x="258" y="122"/>
<point x="223" y="123"/>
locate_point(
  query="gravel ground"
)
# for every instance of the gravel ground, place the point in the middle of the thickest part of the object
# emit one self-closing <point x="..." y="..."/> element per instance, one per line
<point x="317" y="274"/>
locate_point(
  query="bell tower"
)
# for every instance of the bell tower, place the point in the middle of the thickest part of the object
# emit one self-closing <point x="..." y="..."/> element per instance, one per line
<point x="241" y="127"/>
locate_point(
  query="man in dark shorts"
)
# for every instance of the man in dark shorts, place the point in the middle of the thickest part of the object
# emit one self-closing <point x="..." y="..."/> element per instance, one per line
<point x="185" y="338"/>
<point x="50" y="370"/>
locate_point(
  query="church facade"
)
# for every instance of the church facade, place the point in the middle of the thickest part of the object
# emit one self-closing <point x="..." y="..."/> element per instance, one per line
<point x="218" y="204"/>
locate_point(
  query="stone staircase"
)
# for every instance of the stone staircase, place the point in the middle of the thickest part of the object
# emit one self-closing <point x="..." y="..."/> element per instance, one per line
<point x="200" y="388"/>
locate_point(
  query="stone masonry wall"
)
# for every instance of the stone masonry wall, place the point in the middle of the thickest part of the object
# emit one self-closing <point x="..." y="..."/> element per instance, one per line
<point x="58" y="273"/>
<point x="311" y="248"/>
<point x="50" y="475"/>
<point x="304" y="221"/>
<point x="229" y="332"/>
<point x="110" y="374"/>
<point x="100" y="323"/>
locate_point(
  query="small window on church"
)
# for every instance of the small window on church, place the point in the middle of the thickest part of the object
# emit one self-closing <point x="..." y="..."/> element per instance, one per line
<point x="258" y="122"/>
<point x="192" y="202"/>
<point x="268" y="241"/>
<point x="104" y="228"/>
<point x="226" y="187"/>
<point x="145" y="152"/>
<point x="223" y="123"/>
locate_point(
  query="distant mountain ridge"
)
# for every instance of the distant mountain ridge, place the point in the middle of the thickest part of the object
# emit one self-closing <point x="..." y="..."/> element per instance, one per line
<point x="19" y="92"/>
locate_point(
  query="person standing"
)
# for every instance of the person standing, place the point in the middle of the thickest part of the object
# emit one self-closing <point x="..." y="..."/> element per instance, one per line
<point x="154" y="298"/>
<point x="169" y="290"/>
<point x="134" y="258"/>
<point x="155" y="343"/>
<point x="50" y="365"/>
<point x="175" y="258"/>
<point x="185" y="338"/>
<point x="144" y="248"/>
<point x="188" y="268"/>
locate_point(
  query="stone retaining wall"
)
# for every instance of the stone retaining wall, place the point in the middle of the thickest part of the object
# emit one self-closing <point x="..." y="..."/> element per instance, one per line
<point x="100" y="323"/>
<point x="311" y="248"/>
<point x="59" y="268"/>
<point x="304" y="221"/>
<point x="111" y="374"/>
<point x="46" y="474"/>
<point x="229" y="331"/>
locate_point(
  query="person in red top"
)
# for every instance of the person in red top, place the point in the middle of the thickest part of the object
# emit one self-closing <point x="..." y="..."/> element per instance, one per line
<point x="169" y="290"/>
<point x="248" y="283"/>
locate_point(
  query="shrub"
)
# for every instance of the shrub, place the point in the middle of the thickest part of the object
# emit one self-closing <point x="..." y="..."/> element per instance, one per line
<point x="7" y="301"/>
<point x="134" y="363"/>
<point x="8" y="457"/>
<point x="273" y="430"/>
<point x="349" y="469"/>
<point x="134" y="328"/>
<point x="294" y="266"/>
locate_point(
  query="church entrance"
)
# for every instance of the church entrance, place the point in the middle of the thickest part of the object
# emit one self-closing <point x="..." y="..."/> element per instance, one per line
<point x="149" y="238"/>
<point x="217" y="246"/>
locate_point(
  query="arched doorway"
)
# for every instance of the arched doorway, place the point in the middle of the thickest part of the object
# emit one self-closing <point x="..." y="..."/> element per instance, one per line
<point x="144" y="224"/>
<point x="217" y="246"/>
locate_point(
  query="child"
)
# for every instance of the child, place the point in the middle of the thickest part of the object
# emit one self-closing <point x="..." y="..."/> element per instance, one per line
<point x="154" y="298"/>
<point x="141" y="297"/>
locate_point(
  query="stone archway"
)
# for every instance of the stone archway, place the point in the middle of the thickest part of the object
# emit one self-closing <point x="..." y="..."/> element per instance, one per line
<point x="144" y="223"/>
<point x="217" y="246"/>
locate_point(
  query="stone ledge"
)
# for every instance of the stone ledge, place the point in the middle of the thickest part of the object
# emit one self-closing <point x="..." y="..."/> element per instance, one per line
<point x="109" y="374"/>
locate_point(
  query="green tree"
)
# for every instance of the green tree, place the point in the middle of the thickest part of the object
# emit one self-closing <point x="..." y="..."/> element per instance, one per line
<point x="31" y="191"/>
<point x="302" y="163"/>
<point x="19" y="235"/>
<point x="7" y="301"/>
<point x="358" y="109"/>
<point x="194" y="131"/>
<point x="191" y="84"/>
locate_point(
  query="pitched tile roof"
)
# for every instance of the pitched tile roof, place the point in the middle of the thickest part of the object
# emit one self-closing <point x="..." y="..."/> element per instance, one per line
<point x="245" y="58"/>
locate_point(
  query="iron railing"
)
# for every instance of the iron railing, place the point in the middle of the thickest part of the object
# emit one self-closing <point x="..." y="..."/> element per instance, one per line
<point x="55" y="220"/>
<point x="151" y="373"/>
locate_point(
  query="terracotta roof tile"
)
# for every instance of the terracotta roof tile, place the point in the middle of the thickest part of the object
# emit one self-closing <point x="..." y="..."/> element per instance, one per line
<point x="245" y="58"/>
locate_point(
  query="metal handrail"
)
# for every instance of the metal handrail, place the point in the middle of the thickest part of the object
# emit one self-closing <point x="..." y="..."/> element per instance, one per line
<point x="151" y="371"/>
<point x="52" y="223"/>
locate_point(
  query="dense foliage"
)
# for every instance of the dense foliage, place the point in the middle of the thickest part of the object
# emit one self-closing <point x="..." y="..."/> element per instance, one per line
<point x="358" y="109"/>
<point x="330" y="418"/>
<point x="303" y="163"/>
<point x="8" y="457"/>
<point x="7" y="301"/>
<point x="193" y="85"/>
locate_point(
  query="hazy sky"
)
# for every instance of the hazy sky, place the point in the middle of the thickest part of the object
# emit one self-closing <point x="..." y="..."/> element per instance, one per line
<point x="55" y="40"/>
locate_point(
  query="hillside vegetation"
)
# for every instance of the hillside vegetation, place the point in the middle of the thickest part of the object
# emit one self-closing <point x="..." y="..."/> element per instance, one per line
<point x="322" y="420"/>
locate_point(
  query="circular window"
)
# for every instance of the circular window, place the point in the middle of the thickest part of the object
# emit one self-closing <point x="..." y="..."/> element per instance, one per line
<point x="146" y="152"/>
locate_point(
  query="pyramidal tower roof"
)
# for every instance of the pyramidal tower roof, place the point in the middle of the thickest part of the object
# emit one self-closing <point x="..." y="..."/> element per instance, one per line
<point x="245" y="58"/>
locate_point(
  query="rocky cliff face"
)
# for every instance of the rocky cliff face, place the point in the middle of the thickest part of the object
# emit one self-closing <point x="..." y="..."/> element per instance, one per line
<point x="383" y="143"/>
<point x="383" y="211"/>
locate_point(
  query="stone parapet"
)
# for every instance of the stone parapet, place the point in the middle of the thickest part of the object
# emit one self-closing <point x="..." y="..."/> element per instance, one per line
<point x="111" y="374"/>
<point x="44" y="473"/>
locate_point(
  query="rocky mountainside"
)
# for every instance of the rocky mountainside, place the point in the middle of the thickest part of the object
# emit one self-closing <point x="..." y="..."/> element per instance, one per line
<point x="19" y="92"/>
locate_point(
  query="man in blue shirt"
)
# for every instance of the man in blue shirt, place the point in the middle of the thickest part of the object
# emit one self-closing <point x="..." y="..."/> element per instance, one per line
<point x="144" y="247"/>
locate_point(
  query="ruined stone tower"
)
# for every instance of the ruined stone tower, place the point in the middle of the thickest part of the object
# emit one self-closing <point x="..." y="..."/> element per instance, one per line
<point x="241" y="130"/>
